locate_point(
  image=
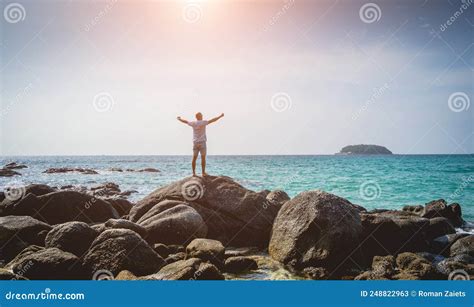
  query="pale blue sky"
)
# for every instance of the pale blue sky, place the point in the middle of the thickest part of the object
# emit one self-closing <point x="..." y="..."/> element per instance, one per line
<point x="156" y="60"/>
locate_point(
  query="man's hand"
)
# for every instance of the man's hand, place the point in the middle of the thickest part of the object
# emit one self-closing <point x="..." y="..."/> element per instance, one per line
<point x="222" y="115"/>
<point x="215" y="118"/>
<point x="182" y="120"/>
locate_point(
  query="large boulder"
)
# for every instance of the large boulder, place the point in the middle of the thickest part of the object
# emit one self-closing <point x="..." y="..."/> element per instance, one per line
<point x="206" y="250"/>
<point x="73" y="237"/>
<point x="169" y="222"/>
<point x="48" y="263"/>
<point x="239" y="264"/>
<point x="18" y="232"/>
<point x="62" y="206"/>
<point x="441" y="244"/>
<point x="439" y="226"/>
<point x="234" y="215"/>
<point x="463" y="246"/>
<point x="115" y="250"/>
<point x="190" y="269"/>
<point x="439" y="208"/>
<point x="392" y="232"/>
<point x="315" y="229"/>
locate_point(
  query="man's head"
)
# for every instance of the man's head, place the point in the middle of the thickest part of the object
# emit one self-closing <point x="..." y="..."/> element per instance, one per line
<point x="199" y="116"/>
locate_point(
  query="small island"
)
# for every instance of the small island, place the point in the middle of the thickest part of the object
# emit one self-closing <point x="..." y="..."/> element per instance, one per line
<point x="364" y="150"/>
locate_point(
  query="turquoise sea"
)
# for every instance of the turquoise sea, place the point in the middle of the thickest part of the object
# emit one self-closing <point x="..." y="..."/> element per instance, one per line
<point x="371" y="181"/>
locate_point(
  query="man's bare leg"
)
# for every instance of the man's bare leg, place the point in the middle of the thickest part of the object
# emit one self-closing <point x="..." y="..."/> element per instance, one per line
<point x="194" y="164"/>
<point x="203" y="164"/>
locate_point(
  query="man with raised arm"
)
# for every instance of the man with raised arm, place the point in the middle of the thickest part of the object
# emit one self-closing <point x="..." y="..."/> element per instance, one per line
<point x="199" y="139"/>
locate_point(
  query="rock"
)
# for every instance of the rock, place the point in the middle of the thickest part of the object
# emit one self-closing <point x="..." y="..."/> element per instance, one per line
<point x="115" y="169"/>
<point x="115" y="250"/>
<point x="439" y="208"/>
<point x="391" y="232"/>
<point x="14" y="165"/>
<point x="148" y="170"/>
<point x="175" y="257"/>
<point x="464" y="258"/>
<point x="126" y="224"/>
<point x="190" y="269"/>
<point x="441" y="244"/>
<point x="73" y="237"/>
<point x="206" y="250"/>
<point x="439" y="226"/>
<point x="84" y="171"/>
<point x="315" y="229"/>
<point x="173" y="248"/>
<point x="5" y="172"/>
<point x="161" y="250"/>
<point x="278" y="197"/>
<point x="208" y="271"/>
<point x="7" y="275"/>
<point x="234" y="215"/>
<point x="49" y="263"/>
<point x="416" y="266"/>
<point x="463" y="246"/>
<point x="383" y="267"/>
<point x="449" y="265"/>
<point x="126" y="275"/>
<point x="418" y="209"/>
<point x="18" y="232"/>
<point x="171" y="223"/>
<point x="122" y="206"/>
<point x="239" y="264"/>
<point x="39" y="189"/>
<point x="316" y="273"/>
<point x="62" y="206"/>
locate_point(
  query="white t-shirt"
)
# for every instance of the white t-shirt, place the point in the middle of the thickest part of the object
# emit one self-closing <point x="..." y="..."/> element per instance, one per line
<point x="199" y="130"/>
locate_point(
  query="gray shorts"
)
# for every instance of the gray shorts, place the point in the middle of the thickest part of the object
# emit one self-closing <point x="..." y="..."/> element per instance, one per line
<point x="200" y="148"/>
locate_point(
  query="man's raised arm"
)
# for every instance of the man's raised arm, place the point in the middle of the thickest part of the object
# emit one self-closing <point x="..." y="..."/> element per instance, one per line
<point x="215" y="119"/>
<point x="182" y="120"/>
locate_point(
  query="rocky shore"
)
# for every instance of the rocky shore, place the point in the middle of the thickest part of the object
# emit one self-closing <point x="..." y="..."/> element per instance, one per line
<point x="214" y="228"/>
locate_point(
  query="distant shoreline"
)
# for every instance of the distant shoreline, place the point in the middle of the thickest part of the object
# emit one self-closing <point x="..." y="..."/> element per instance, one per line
<point x="242" y="155"/>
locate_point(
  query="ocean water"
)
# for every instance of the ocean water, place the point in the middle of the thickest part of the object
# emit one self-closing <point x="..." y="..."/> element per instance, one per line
<point x="371" y="181"/>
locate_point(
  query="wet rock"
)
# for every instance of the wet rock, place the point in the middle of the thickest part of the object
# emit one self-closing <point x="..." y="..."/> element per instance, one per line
<point x="85" y="171"/>
<point x="240" y="251"/>
<point x="5" y="172"/>
<point x="441" y="244"/>
<point x="439" y="226"/>
<point x="239" y="264"/>
<point x="190" y="269"/>
<point x="115" y="250"/>
<point x="14" y="165"/>
<point x="148" y="170"/>
<point x="315" y="229"/>
<point x="73" y="237"/>
<point x="439" y="208"/>
<point x="316" y="273"/>
<point x="175" y="257"/>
